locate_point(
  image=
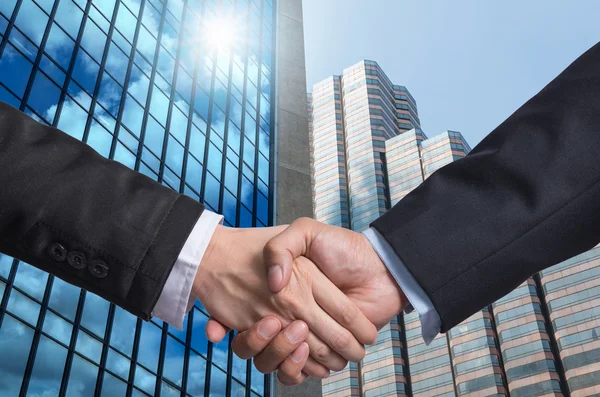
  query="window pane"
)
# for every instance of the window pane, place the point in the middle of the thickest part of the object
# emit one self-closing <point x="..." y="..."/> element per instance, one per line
<point x="88" y="346"/>
<point x="199" y="340"/>
<point x="100" y="139"/>
<point x="7" y="7"/>
<point x="196" y="375"/>
<point x="174" y="155"/>
<point x="64" y="298"/>
<point x="31" y="12"/>
<point x="112" y="386"/>
<point x="94" y="40"/>
<point x="173" y="368"/>
<point x="14" y="70"/>
<point x="110" y="95"/>
<point x="59" y="45"/>
<point x="145" y="380"/>
<point x="159" y="106"/>
<point x="168" y="391"/>
<point x="31" y="280"/>
<point x="118" y="363"/>
<point x="57" y="328"/>
<point x="258" y="381"/>
<point x="197" y="143"/>
<point x="15" y="342"/>
<point x="85" y="72"/>
<point x="48" y="368"/>
<point x="22" y="306"/>
<point x="149" y="346"/>
<point x="69" y="17"/>
<point x="124" y="324"/>
<point x="95" y="313"/>
<point x="212" y="193"/>
<point x="82" y="380"/>
<point x="72" y="119"/>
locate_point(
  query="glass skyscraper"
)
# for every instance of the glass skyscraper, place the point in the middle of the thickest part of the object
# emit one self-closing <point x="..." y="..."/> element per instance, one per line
<point x="181" y="90"/>
<point x="542" y="339"/>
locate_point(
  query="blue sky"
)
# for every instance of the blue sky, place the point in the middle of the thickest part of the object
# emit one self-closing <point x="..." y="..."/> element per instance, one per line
<point x="468" y="63"/>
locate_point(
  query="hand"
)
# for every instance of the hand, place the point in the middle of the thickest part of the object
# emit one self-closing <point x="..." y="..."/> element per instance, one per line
<point x="231" y="283"/>
<point x="272" y="349"/>
<point x="346" y="257"/>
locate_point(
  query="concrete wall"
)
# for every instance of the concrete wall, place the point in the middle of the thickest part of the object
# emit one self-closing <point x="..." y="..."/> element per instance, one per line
<point x="292" y="169"/>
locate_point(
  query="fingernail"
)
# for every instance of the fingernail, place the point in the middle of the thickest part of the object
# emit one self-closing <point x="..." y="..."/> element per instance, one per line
<point x="296" y="332"/>
<point x="275" y="275"/>
<point x="300" y="353"/>
<point x="268" y="328"/>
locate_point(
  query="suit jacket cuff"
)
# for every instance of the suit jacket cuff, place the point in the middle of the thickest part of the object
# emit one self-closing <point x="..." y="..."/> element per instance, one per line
<point x="161" y="256"/>
<point x="176" y="299"/>
<point x="430" y="319"/>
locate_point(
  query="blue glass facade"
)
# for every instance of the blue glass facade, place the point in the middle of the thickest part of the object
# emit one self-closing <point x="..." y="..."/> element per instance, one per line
<point x="180" y="90"/>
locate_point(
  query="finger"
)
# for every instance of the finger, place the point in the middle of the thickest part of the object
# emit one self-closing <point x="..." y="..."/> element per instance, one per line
<point x="324" y="355"/>
<point x="316" y="370"/>
<point x="347" y="314"/>
<point x="251" y="342"/>
<point x="281" y="347"/>
<point x="280" y="252"/>
<point x="322" y="324"/>
<point x="290" y="372"/>
<point x="215" y="331"/>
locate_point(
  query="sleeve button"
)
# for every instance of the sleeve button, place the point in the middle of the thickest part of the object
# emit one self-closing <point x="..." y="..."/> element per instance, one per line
<point x="98" y="268"/>
<point x="77" y="260"/>
<point x="57" y="252"/>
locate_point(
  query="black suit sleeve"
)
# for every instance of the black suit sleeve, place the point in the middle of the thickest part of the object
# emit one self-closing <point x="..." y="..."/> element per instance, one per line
<point x="90" y="221"/>
<point x="526" y="198"/>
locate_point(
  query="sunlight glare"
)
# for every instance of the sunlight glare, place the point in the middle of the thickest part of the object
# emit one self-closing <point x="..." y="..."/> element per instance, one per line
<point x="221" y="33"/>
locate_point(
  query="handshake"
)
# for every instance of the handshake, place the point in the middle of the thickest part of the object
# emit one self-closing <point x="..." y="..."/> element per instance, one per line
<point x="306" y="298"/>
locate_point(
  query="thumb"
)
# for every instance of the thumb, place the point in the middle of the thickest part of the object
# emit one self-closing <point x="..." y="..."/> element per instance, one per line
<point x="215" y="331"/>
<point x="279" y="253"/>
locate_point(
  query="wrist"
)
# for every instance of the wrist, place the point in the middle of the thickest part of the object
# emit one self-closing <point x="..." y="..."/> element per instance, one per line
<point x="212" y="259"/>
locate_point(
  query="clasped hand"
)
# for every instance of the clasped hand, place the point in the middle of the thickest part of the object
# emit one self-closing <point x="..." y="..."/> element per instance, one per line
<point x="323" y="284"/>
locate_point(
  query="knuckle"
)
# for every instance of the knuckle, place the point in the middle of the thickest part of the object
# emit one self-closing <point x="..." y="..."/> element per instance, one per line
<point x="337" y="366"/>
<point x="348" y="314"/>
<point x="340" y="341"/>
<point x="321" y="353"/>
<point x="289" y="380"/>
<point x="262" y="367"/>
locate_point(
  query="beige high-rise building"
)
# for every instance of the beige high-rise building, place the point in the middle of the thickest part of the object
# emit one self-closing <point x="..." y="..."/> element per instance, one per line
<point x="542" y="339"/>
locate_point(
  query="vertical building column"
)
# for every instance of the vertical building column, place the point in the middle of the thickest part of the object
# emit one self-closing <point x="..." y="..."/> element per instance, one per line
<point x="292" y="182"/>
<point x="292" y="156"/>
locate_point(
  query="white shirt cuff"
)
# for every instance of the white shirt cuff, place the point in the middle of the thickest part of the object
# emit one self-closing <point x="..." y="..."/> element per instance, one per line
<point x="176" y="299"/>
<point x="431" y="324"/>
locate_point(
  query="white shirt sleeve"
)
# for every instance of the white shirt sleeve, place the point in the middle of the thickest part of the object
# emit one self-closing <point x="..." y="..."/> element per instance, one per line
<point x="431" y="323"/>
<point x="176" y="299"/>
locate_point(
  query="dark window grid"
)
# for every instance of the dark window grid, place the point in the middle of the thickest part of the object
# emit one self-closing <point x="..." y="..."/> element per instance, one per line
<point x="7" y="289"/>
<point x="38" y="57"/>
<point x="186" y="153"/>
<point x="165" y="327"/>
<point x="490" y="310"/>
<point x="120" y="112"/>
<point x="243" y="135"/>
<point x="69" y="73"/>
<point x="152" y="78"/>
<point x="226" y="150"/>
<point x="73" y="342"/>
<point x="105" y="348"/>
<point x="102" y="65"/>
<point x="38" y="330"/>
<point x="560" y="370"/>
<point x="11" y="92"/>
<point x="11" y="24"/>
<point x="134" y="355"/>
